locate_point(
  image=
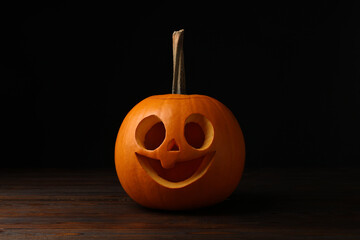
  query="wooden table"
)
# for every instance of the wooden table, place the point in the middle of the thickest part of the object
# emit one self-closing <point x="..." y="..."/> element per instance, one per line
<point x="268" y="204"/>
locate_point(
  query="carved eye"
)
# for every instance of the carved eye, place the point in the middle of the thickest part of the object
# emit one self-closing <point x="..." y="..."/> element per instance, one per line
<point x="150" y="133"/>
<point x="198" y="131"/>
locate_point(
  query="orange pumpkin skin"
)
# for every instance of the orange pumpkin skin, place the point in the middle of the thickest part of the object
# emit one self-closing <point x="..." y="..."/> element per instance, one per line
<point x="222" y="158"/>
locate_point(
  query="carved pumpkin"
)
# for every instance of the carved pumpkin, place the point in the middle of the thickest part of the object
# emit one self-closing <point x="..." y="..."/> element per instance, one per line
<point x="178" y="151"/>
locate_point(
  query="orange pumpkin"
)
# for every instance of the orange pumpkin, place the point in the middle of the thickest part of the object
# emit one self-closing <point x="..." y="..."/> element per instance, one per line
<point x="178" y="151"/>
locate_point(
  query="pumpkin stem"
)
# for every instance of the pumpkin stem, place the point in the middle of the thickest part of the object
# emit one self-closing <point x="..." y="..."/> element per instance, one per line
<point x="178" y="85"/>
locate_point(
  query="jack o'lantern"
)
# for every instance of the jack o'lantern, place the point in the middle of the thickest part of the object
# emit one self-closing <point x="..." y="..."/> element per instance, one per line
<point x="178" y="151"/>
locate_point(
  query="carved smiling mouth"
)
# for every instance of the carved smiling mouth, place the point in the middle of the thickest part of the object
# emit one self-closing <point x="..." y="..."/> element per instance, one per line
<point x="181" y="175"/>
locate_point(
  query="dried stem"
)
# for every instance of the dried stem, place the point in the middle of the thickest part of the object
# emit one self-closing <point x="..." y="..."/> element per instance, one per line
<point x="178" y="86"/>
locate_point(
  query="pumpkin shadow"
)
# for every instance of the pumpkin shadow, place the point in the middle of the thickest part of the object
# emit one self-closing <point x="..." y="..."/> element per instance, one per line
<point x="240" y="204"/>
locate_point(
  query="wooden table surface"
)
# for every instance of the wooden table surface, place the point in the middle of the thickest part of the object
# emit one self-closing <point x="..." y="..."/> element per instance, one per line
<point x="268" y="204"/>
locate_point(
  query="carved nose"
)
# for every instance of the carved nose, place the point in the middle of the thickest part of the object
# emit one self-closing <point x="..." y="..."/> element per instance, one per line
<point x="172" y="146"/>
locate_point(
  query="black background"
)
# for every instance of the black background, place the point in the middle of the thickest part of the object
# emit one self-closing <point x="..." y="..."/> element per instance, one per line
<point x="289" y="72"/>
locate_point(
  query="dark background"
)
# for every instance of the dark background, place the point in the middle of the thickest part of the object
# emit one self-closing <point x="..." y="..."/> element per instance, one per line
<point x="289" y="72"/>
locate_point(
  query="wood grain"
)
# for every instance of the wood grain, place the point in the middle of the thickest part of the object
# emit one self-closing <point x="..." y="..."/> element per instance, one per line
<point x="268" y="204"/>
